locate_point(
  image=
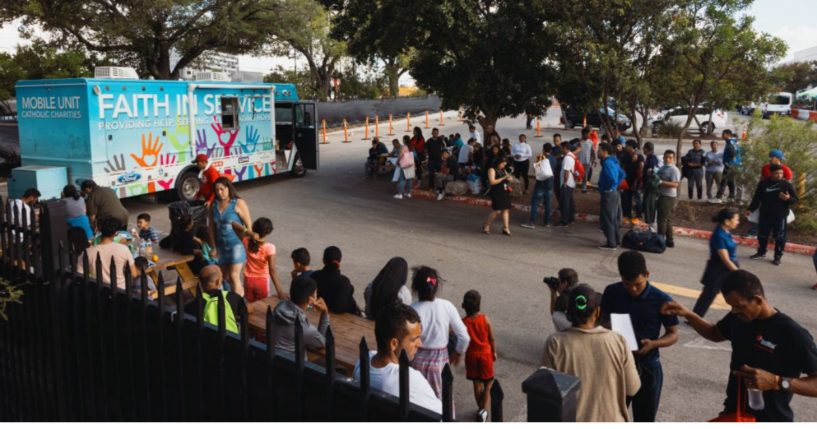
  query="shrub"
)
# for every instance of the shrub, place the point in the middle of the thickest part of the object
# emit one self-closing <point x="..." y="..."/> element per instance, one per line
<point x="798" y="141"/>
<point x="669" y="129"/>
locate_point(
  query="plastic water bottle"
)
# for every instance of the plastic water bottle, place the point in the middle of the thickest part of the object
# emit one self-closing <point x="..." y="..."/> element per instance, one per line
<point x="756" y="401"/>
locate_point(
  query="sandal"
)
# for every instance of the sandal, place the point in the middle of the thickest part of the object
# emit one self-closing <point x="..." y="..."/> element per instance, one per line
<point x="506" y="231"/>
<point x="486" y="228"/>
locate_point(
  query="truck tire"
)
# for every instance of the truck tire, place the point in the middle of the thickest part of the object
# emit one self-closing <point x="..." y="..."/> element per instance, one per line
<point x="187" y="186"/>
<point x="298" y="169"/>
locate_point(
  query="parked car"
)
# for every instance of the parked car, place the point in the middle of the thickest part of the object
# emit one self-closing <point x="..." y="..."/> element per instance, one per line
<point x="572" y="117"/>
<point x="747" y="109"/>
<point x="777" y="104"/>
<point x="678" y="115"/>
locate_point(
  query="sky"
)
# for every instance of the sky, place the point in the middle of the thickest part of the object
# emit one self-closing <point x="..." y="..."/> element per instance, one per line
<point x="794" y="21"/>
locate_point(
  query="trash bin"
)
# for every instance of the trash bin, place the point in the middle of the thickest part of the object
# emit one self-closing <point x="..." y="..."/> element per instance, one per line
<point x="197" y="211"/>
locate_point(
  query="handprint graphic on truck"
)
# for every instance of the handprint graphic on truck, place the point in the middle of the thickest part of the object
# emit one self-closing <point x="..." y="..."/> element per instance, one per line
<point x="180" y="138"/>
<point x="201" y="144"/>
<point x="221" y="134"/>
<point x="252" y="135"/>
<point x="150" y="151"/>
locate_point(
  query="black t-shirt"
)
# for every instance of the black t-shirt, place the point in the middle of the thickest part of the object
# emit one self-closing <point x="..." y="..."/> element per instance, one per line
<point x="778" y="345"/>
<point x="630" y="167"/>
<point x="434" y="149"/>
<point x="185" y="244"/>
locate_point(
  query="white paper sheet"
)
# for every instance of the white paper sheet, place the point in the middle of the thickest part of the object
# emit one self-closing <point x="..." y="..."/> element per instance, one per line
<point x="622" y="324"/>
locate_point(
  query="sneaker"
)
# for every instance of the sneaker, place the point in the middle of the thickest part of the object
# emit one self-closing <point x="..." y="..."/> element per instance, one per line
<point x="670" y="244"/>
<point x="440" y="196"/>
<point x="482" y="415"/>
<point x="776" y="260"/>
<point x="528" y="226"/>
<point x="546" y="225"/>
<point x="606" y="247"/>
<point x="758" y="255"/>
<point x="398" y="196"/>
<point x="407" y="196"/>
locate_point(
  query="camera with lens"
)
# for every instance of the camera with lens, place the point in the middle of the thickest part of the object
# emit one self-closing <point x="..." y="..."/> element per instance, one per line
<point x="552" y="282"/>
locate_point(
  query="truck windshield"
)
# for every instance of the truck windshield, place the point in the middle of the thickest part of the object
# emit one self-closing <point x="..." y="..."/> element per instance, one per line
<point x="778" y="99"/>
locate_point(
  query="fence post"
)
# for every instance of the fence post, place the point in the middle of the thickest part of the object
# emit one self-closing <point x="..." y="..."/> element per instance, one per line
<point x="376" y="126"/>
<point x="199" y="374"/>
<point x="364" y="380"/>
<point x="330" y="374"/>
<point x="143" y="321"/>
<point x="110" y="296"/>
<point x="323" y="128"/>
<point x="404" y="388"/>
<point x="273" y="388"/>
<point x="245" y="347"/>
<point x="300" y="352"/>
<point x="130" y="397"/>
<point x="222" y="332"/>
<point x="552" y="396"/>
<point x="160" y="320"/>
<point x="497" y="396"/>
<point x="448" y="394"/>
<point x="180" y="414"/>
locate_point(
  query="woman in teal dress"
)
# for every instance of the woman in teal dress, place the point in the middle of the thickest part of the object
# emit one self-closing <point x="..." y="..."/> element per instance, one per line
<point x="226" y="244"/>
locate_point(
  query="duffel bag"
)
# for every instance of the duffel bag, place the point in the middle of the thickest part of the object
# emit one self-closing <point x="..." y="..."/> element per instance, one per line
<point x="643" y="241"/>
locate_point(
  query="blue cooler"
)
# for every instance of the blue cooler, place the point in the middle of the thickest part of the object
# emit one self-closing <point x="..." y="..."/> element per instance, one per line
<point x="48" y="180"/>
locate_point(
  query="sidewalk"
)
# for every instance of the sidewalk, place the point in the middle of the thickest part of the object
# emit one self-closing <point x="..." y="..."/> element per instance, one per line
<point x="800" y="249"/>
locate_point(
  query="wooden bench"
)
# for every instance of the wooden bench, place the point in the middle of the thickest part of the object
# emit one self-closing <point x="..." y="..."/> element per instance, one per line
<point x="167" y="260"/>
<point x="347" y="329"/>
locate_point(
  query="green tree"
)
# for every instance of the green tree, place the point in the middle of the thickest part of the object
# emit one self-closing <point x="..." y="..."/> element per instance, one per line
<point x="798" y="141"/>
<point x="793" y="77"/>
<point x="489" y="56"/>
<point x="306" y="27"/>
<point x="713" y="57"/>
<point x="147" y="32"/>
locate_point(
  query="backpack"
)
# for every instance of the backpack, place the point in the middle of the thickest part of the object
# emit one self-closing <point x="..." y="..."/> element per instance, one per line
<point x="578" y="169"/>
<point x="211" y="312"/>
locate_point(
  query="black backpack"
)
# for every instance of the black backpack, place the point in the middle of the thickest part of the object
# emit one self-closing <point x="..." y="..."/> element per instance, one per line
<point x="643" y="241"/>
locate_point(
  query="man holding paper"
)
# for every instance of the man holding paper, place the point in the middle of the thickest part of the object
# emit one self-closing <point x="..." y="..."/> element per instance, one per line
<point x="635" y="296"/>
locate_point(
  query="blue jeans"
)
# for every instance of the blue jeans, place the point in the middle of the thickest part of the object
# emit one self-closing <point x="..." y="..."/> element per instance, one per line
<point x="402" y="182"/>
<point x="588" y="173"/>
<point x="541" y="192"/>
<point x="645" y="402"/>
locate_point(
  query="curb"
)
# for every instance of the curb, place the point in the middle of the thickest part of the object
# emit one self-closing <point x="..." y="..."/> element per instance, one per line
<point x="800" y="249"/>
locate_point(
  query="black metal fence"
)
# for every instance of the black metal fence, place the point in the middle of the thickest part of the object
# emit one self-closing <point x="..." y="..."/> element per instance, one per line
<point x="76" y="349"/>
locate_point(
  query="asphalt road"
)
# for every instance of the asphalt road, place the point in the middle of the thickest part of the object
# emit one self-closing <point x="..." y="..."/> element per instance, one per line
<point x="335" y="205"/>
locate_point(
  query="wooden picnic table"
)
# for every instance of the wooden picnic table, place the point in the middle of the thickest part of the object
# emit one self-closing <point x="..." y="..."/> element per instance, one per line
<point x="170" y="259"/>
<point x="347" y="329"/>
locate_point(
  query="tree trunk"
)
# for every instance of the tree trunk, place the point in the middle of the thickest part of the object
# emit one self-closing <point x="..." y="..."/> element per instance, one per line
<point x="391" y="70"/>
<point x="679" y="144"/>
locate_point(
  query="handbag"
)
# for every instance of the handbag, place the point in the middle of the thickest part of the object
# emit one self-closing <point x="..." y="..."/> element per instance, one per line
<point x="408" y="173"/>
<point x="740" y="415"/>
<point x="754" y="217"/>
<point x="543" y="170"/>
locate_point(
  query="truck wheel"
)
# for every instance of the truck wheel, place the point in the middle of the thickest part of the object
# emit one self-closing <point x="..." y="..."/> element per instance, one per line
<point x="298" y="169"/>
<point x="187" y="186"/>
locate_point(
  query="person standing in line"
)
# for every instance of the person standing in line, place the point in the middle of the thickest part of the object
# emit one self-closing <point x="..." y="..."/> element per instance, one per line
<point x="522" y="153"/>
<point x="633" y="167"/>
<point x="695" y="166"/>
<point x="723" y="258"/>
<point x="769" y="349"/>
<point x="670" y="180"/>
<point x="226" y="245"/>
<point x="555" y="159"/>
<point x="610" y="377"/>
<point x="474" y="134"/>
<point x="731" y="164"/>
<point x="481" y="353"/>
<point x="611" y="176"/>
<point x="499" y="179"/>
<point x="587" y="157"/>
<point x="635" y="296"/>
<point x="773" y="197"/>
<point x="714" y="172"/>
<point x="651" y="184"/>
<point x="434" y="149"/>
<point x="439" y="319"/>
<point x="567" y="204"/>
<point x="541" y="189"/>
<point x="418" y="142"/>
<point x="405" y="162"/>
<point x="464" y="159"/>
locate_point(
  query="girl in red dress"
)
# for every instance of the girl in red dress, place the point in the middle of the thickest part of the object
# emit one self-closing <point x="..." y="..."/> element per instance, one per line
<point x="481" y="353"/>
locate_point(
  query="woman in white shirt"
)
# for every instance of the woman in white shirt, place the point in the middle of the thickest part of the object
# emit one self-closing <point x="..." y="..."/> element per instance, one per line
<point x="522" y="153"/>
<point x="387" y="288"/>
<point x="438" y="318"/>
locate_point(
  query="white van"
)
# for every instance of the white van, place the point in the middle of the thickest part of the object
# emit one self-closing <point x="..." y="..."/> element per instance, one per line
<point x="777" y="104"/>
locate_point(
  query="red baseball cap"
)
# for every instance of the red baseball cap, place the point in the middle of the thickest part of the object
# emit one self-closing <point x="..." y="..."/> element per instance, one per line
<point x="201" y="158"/>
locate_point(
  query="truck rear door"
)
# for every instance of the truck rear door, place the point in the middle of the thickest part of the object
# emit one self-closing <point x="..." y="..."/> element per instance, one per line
<point x="306" y="134"/>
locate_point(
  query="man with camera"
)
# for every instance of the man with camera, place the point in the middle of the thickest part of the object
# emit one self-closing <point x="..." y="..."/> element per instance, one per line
<point x="559" y="289"/>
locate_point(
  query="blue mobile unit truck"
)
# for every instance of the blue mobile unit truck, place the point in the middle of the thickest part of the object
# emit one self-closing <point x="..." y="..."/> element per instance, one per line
<point x="141" y="136"/>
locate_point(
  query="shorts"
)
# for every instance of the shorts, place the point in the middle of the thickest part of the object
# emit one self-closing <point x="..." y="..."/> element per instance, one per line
<point x="256" y="288"/>
<point x="479" y="366"/>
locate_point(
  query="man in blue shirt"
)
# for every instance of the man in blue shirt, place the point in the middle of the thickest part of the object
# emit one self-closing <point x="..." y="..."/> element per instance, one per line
<point x="731" y="164"/>
<point x="610" y="214"/>
<point x="635" y="296"/>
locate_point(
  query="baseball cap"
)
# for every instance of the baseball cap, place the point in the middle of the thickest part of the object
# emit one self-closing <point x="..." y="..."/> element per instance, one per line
<point x="201" y="158"/>
<point x="776" y="153"/>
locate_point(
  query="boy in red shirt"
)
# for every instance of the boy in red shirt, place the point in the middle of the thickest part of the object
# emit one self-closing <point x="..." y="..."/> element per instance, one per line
<point x="776" y="158"/>
<point x="208" y="178"/>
